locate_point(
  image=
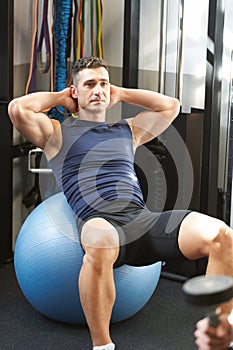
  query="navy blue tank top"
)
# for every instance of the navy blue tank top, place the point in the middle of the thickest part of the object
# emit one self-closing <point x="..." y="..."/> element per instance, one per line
<point x="95" y="166"/>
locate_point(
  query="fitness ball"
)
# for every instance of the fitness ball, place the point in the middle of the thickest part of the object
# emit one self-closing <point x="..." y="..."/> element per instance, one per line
<point x="48" y="257"/>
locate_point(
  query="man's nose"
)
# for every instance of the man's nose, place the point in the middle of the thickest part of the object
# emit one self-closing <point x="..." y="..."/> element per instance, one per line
<point x="97" y="90"/>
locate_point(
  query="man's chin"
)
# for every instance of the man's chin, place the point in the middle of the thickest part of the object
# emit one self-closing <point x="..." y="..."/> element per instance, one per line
<point x="98" y="107"/>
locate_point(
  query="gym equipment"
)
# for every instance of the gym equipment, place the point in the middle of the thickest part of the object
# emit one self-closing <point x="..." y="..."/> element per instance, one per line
<point x="209" y="291"/>
<point x="48" y="258"/>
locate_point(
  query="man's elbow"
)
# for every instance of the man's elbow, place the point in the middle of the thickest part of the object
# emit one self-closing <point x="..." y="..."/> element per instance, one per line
<point x="14" y="111"/>
<point x="175" y="107"/>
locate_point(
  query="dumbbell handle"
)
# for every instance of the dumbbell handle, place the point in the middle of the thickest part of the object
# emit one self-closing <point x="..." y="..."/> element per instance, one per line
<point x="213" y="317"/>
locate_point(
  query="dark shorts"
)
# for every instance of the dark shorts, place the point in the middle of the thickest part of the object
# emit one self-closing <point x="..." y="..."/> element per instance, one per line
<point x="145" y="237"/>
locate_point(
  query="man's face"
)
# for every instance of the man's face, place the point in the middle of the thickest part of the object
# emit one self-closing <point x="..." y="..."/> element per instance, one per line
<point x="93" y="90"/>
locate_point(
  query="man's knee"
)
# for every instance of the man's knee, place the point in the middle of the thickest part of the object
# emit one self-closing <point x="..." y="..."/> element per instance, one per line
<point x="222" y="239"/>
<point x="100" y="242"/>
<point x="201" y="234"/>
<point x="224" y="235"/>
<point x="99" y="233"/>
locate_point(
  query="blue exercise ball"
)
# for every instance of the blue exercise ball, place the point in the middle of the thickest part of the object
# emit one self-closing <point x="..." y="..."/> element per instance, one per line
<point x="48" y="257"/>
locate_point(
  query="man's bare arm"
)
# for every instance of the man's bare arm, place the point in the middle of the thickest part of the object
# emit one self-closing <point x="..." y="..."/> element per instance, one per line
<point x="161" y="110"/>
<point x="27" y="113"/>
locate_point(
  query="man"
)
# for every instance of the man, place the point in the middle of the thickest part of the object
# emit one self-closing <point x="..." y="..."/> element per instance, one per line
<point x="93" y="162"/>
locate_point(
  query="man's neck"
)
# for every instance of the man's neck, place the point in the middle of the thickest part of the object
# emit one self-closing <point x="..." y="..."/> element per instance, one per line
<point x="92" y="116"/>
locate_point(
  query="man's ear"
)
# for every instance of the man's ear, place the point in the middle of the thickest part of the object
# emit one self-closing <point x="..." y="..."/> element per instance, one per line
<point x="73" y="91"/>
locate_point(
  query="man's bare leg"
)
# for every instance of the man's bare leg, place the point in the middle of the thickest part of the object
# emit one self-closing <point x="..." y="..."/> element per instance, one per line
<point x="96" y="283"/>
<point x="201" y="235"/>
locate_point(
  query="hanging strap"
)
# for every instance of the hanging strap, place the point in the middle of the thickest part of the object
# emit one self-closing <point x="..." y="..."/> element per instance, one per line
<point x="96" y="12"/>
<point x="31" y="82"/>
<point x="74" y="30"/>
<point x="36" y="56"/>
<point x="93" y="24"/>
<point x="51" y="47"/>
<point x="99" y="44"/>
<point x="80" y="29"/>
<point x="44" y="36"/>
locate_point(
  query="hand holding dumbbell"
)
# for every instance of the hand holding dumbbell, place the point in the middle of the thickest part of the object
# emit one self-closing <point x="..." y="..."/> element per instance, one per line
<point x="209" y="291"/>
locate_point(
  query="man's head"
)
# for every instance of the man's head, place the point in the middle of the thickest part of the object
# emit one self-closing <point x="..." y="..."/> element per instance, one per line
<point x="91" y="86"/>
<point x="87" y="63"/>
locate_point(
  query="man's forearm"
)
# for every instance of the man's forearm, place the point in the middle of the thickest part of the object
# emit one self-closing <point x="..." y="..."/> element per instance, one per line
<point x="148" y="99"/>
<point x="41" y="101"/>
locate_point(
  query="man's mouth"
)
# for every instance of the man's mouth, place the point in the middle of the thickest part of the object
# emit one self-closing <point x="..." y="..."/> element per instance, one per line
<point x="96" y="100"/>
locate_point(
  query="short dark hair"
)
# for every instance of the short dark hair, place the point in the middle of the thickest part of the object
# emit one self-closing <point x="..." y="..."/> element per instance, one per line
<point x="87" y="62"/>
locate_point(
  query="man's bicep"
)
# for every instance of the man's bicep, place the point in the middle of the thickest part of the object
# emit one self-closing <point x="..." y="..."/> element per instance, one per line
<point x="36" y="128"/>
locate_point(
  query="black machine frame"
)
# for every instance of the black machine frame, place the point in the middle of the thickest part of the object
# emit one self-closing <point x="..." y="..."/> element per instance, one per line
<point x="213" y="201"/>
<point x="6" y="94"/>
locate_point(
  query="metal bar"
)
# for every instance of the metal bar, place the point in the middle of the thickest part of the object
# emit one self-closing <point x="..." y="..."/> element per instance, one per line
<point x="179" y="82"/>
<point x="229" y="194"/>
<point x="162" y="48"/>
<point x="211" y="129"/>
<point x="32" y="168"/>
<point x="131" y="43"/>
<point x="6" y="92"/>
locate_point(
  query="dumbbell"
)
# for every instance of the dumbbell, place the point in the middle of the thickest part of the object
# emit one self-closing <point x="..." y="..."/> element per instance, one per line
<point x="209" y="291"/>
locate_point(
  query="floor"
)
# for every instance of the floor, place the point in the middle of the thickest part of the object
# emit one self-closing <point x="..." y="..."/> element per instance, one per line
<point x="167" y="322"/>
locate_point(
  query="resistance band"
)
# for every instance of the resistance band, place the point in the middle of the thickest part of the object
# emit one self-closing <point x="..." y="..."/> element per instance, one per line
<point x="62" y="12"/>
<point x="99" y="44"/>
<point x="44" y="36"/>
<point x="80" y="30"/>
<point x="74" y="30"/>
<point x="31" y="82"/>
<point x="95" y="11"/>
<point x="36" y="50"/>
<point x="57" y="43"/>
